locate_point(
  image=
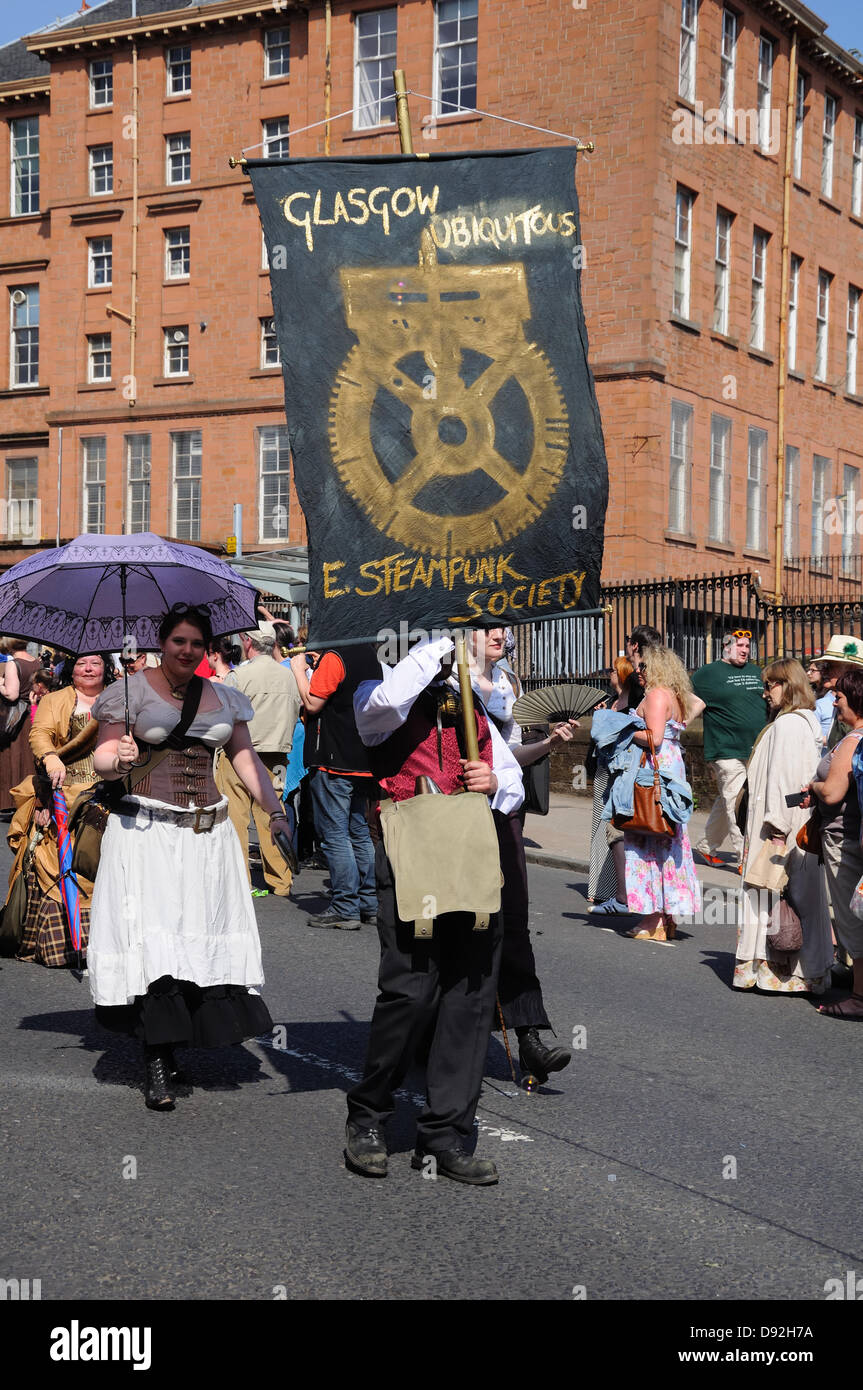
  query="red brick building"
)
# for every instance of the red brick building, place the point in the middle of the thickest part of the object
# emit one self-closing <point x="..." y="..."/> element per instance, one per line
<point x="131" y="254"/>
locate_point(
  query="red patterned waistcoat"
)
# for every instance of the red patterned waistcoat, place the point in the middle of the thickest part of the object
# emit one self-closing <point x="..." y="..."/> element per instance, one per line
<point x="412" y="750"/>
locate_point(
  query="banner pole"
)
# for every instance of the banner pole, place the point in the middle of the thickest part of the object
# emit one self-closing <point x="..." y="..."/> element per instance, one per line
<point x="403" y="115"/>
<point x="471" y="742"/>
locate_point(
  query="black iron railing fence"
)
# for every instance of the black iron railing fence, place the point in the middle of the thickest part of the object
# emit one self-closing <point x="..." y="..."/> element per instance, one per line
<point x="694" y="614"/>
<point x="823" y="579"/>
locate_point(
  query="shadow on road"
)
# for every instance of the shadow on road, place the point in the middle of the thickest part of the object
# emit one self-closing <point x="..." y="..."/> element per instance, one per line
<point x="121" y="1062"/>
<point x="305" y="1057"/>
<point x="721" y="963"/>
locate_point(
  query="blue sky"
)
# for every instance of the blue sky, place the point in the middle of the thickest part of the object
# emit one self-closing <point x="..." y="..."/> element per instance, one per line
<point x="844" y="17"/>
<point x="17" y="19"/>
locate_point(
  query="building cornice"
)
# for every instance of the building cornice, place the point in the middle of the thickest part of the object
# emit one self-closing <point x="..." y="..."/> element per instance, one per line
<point x="194" y="19"/>
<point x="195" y="409"/>
<point x="815" y="43"/>
<point x="25" y="89"/>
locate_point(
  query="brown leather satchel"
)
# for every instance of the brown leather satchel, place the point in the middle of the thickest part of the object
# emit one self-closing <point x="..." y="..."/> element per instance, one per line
<point x="648" y="817"/>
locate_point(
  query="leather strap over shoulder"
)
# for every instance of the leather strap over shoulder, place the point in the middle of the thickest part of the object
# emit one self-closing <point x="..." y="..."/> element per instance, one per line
<point x="175" y="739"/>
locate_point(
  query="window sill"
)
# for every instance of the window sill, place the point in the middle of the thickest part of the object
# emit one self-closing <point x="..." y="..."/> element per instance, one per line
<point x="824" y="386"/>
<point x="454" y="118"/>
<point x="688" y="325"/>
<point x="173" y="98"/>
<point x="275" y="82"/>
<point x="762" y="555"/>
<point x="265" y="371"/>
<point x="95" y="386"/>
<point x="855" y="400"/>
<point x="680" y="538"/>
<point x="828" y="203"/>
<point x="159" y="205"/>
<point x="372" y="132"/>
<point x="174" y="381"/>
<point x="96" y="214"/>
<point x="792" y="565"/>
<point x="765" y="154"/>
<point x="99" y="289"/>
<point x="856" y="219"/>
<point x="724" y="546"/>
<point x="24" y="267"/>
<point x="826" y="573"/>
<point x="760" y="356"/>
<point x="178" y="280"/>
<point x="851" y="577"/>
<point x="181" y="183"/>
<point x="795" y="375"/>
<point x="801" y="188"/>
<point x="19" y="219"/>
<point x="100" y="110"/>
<point x="724" y="338"/>
<point x="18" y="391"/>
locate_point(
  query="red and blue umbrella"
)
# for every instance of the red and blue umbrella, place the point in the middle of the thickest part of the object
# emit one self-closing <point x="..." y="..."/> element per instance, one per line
<point x="68" y="882"/>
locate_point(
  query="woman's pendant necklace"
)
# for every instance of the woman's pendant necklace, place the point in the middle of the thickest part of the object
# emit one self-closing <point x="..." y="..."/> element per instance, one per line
<point x="178" y="692"/>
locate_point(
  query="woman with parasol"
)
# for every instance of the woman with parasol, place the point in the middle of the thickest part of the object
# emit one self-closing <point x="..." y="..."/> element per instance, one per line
<point x="62" y="738"/>
<point x="174" y="952"/>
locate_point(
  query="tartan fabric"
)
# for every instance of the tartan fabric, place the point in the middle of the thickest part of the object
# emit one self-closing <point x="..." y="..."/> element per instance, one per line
<point x="46" y="939"/>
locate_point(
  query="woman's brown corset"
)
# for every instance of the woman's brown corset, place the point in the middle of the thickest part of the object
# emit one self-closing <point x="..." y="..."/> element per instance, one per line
<point x="183" y="778"/>
<point x="82" y="770"/>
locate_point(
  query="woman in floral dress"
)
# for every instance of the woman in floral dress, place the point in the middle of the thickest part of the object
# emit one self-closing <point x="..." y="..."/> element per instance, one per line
<point x="661" y="882"/>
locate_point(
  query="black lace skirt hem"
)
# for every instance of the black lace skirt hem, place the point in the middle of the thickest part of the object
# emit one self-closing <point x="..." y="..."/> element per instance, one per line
<point x="177" y="1012"/>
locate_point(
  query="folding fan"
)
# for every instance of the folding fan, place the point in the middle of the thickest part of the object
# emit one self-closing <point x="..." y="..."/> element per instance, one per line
<point x="555" y="703"/>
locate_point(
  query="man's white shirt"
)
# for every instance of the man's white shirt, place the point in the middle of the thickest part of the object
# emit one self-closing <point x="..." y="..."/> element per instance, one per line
<point x="382" y="706"/>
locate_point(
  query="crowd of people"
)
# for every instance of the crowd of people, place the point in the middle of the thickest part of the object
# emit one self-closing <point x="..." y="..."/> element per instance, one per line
<point x="337" y="760"/>
<point x="782" y="745"/>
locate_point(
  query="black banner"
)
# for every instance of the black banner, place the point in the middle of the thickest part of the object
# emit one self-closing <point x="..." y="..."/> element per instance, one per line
<point x="446" y="439"/>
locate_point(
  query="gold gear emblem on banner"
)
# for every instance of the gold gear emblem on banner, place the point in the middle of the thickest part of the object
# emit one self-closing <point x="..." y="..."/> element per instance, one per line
<point x="446" y="425"/>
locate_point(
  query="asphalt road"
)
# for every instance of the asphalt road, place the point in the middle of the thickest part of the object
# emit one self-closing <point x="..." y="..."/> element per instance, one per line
<point x="615" y="1179"/>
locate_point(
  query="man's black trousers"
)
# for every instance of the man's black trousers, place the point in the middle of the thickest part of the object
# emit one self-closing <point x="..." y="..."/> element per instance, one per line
<point x="448" y="982"/>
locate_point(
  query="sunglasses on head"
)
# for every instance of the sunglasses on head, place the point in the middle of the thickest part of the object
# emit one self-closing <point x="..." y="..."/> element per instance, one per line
<point x="178" y="609"/>
<point x="742" y="632"/>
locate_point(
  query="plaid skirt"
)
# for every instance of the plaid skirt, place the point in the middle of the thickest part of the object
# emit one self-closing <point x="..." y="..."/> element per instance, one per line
<point x="46" y="939"/>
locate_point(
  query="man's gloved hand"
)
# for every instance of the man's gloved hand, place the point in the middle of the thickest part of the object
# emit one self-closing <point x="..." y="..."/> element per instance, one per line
<point x="284" y="844"/>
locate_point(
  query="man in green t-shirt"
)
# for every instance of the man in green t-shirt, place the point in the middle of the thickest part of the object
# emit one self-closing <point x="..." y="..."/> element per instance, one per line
<point x="733" y="718"/>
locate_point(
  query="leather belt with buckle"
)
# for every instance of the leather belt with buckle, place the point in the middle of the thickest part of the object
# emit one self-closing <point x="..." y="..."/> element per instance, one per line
<point x="201" y="820"/>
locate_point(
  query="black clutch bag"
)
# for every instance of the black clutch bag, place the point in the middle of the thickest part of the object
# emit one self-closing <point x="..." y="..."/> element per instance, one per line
<point x="536" y="777"/>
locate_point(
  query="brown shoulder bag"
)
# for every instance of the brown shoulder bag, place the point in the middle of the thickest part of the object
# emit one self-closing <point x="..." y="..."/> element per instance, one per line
<point x="648" y="817"/>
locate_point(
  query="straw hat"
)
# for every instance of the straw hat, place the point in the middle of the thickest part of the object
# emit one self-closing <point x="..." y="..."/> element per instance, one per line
<point x="840" y="648"/>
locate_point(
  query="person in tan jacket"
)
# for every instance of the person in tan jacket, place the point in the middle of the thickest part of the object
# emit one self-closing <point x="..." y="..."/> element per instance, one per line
<point x="272" y="690"/>
<point x="62" y="740"/>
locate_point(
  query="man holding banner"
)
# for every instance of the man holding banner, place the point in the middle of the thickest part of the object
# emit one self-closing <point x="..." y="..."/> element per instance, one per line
<point x="439" y="969"/>
<point x="449" y="460"/>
